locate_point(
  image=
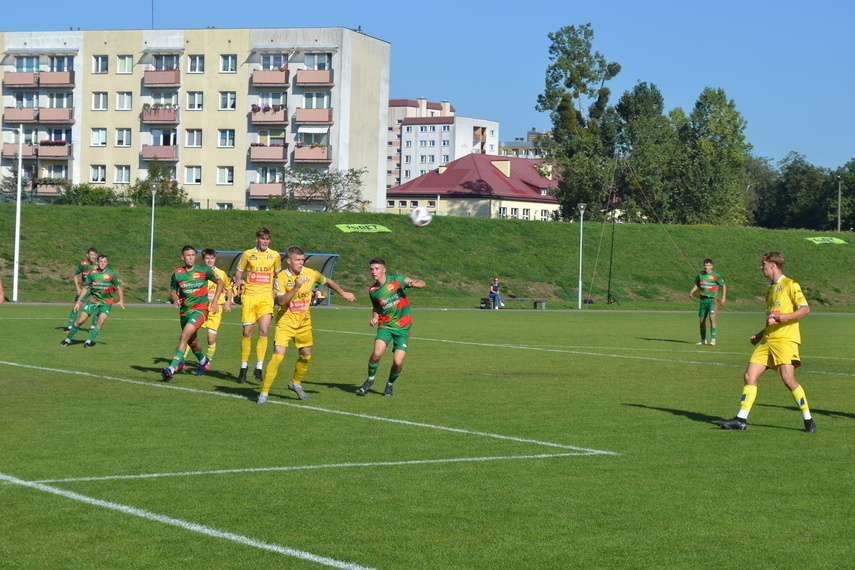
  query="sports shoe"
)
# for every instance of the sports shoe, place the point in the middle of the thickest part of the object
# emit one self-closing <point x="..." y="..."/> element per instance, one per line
<point x="65" y="342"/>
<point x="258" y="375"/>
<point x="810" y="426"/>
<point x="167" y="373"/>
<point x="735" y="423"/>
<point x="88" y="344"/>
<point x="203" y="367"/>
<point x="712" y="342"/>
<point x="365" y="386"/>
<point x="241" y="376"/>
<point x="180" y="366"/>
<point x="262" y="399"/>
<point x="701" y="342"/>
<point x="502" y="304"/>
<point x="298" y="389"/>
<point x="389" y="389"/>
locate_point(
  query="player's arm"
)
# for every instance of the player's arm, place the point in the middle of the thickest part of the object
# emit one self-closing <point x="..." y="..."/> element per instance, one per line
<point x="692" y="292"/>
<point x="121" y="291"/>
<point x="337" y="288"/>
<point x="230" y="294"/>
<point x="282" y="299"/>
<point x="800" y="312"/>
<point x="213" y="304"/>
<point x="77" y="285"/>
<point x="417" y="283"/>
<point x="375" y="318"/>
<point x="723" y="294"/>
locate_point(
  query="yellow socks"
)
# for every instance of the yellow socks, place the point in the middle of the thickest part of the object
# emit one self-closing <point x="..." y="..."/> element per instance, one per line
<point x="271" y="372"/>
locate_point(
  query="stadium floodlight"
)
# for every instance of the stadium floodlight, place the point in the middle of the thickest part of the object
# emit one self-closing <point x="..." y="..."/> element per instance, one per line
<point x="581" y="207"/>
<point x="17" y="262"/>
<point x="151" y="246"/>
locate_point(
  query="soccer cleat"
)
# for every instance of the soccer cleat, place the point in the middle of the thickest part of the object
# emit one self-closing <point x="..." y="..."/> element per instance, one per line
<point x="365" y="386"/>
<point x="241" y="376"/>
<point x="810" y="426"/>
<point x="735" y="423"/>
<point x="700" y="342"/>
<point x="389" y="389"/>
<point x="258" y="375"/>
<point x="65" y="342"/>
<point x="180" y="366"/>
<point x="167" y="373"/>
<point x="262" y="399"/>
<point x="298" y="389"/>
<point x="712" y="342"/>
<point x="88" y="344"/>
<point x="204" y="366"/>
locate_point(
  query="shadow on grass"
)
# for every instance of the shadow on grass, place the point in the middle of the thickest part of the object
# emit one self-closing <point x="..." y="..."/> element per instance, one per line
<point x="817" y="411"/>
<point x="704" y="418"/>
<point x="350" y="388"/>
<point x="665" y="340"/>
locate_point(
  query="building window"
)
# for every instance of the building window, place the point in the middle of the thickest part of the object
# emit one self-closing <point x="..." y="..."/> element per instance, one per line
<point x="446" y="128"/>
<point x="228" y="63"/>
<point x="446" y="143"/>
<point x="390" y="203"/>
<point x="431" y="158"/>
<point x="164" y="137"/>
<point x="196" y="64"/>
<point x="526" y="214"/>
<point x="99" y="137"/>
<point x="194" y="100"/>
<point x="422" y="172"/>
<point x="408" y="129"/>
<point x="431" y="143"/>
<point x="408" y="159"/>
<point x="271" y="98"/>
<point x="319" y="100"/>
<point x="318" y="61"/>
<point x="515" y="213"/>
<point x="408" y="144"/>
<point x="269" y="175"/>
<point x="432" y="128"/>
<point x="26" y="100"/>
<point x="272" y="136"/>
<point x="544" y="215"/>
<point x="431" y="204"/>
<point x="124" y="101"/>
<point x="53" y="135"/>
<point x="99" y="64"/>
<point x="57" y="171"/>
<point x="408" y="173"/>
<point x="99" y="101"/>
<point x="422" y="158"/>
<point x="503" y="212"/>
<point x="125" y="64"/>
<point x="123" y="137"/>
<point x="225" y="206"/>
<point x="98" y="173"/>
<point x="422" y="143"/>
<point x="423" y="129"/>
<point x="225" y="175"/>
<point x="60" y="100"/>
<point x="227" y="138"/>
<point x="62" y="63"/>
<point x="272" y="62"/>
<point x="166" y="62"/>
<point x="165" y="97"/>
<point x="192" y="174"/>
<point x="194" y="138"/>
<point x="27" y="64"/>
<point x="402" y="204"/>
<point x="123" y="175"/>
<point x="228" y="100"/>
<point x="414" y="203"/>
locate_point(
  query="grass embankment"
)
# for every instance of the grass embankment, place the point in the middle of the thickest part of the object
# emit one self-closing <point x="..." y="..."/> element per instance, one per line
<point x="648" y="266"/>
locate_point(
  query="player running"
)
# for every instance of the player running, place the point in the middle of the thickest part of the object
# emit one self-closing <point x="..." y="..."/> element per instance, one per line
<point x="223" y="302"/>
<point x="391" y="313"/>
<point x="84" y="268"/>
<point x="100" y="290"/>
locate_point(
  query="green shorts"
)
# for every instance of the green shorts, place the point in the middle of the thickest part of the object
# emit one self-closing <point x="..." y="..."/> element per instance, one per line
<point x="398" y="338"/>
<point x="707" y="307"/>
<point x="195" y="318"/>
<point x="94" y="308"/>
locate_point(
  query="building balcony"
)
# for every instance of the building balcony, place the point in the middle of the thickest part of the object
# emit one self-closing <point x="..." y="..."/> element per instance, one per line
<point x="20" y="79"/>
<point x="265" y="189"/>
<point x="308" y="153"/>
<point x="158" y="152"/>
<point x="271" y="117"/>
<point x="160" y="115"/>
<point x="54" y="151"/>
<point x="56" y="79"/>
<point x="315" y="78"/>
<point x="56" y="115"/>
<point x="162" y="78"/>
<point x="10" y="150"/>
<point x="268" y="153"/>
<point x="313" y="116"/>
<point x="270" y="78"/>
<point x="15" y="115"/>
<point x="49" y="188"/>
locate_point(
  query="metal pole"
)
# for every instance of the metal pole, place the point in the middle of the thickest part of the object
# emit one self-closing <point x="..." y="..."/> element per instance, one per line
<point x="151" y="247"/>
<point x="581" y="225"/>
<point x="17" y="262"/>
<point x="838" y="204"/>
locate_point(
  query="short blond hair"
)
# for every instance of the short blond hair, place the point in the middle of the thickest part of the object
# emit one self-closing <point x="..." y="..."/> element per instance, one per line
<point x="775" y="257"/>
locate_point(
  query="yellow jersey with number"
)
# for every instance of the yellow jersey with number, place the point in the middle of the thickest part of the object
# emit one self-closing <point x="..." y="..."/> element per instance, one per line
<point x="783" y="296"/>
<point x="259" y="268"/>
<point x="296" y="312"/>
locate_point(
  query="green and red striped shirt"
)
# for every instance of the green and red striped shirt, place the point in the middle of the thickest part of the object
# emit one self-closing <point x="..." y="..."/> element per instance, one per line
<point x="102" y="286"/>
<point x="390" y="303"/>
<point x="191" y="285"/>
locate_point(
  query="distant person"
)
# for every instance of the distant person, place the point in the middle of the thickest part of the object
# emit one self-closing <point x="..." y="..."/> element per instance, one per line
<point x="293" y="287"/>
<point x="84" y="268"/>
<point x="188" y="289"/>
<point x="100" y="291"/>
<point x="713" y="293"/>
<point x="254" y="278"/>
<point x="495" y="296"/>
<point x="777" y="344"/>
<point x="393" y="318"/>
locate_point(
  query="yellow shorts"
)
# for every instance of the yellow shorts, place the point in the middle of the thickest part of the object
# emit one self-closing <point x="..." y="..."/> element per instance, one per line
<point x="302" y="335"/>
<point x="775" y="353"/>
<point x="253" y="307"/>
<point x="213" y="321"/>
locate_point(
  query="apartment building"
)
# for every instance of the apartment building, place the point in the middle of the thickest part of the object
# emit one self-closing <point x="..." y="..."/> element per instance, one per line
<point x="424" y="135"/>
<point x="225" y="109"/>
<point x="524" y="147"/>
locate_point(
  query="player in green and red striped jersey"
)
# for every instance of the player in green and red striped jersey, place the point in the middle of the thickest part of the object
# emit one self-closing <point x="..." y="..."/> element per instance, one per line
<point x="391" y="313"/>
<point x="100" y="291"/>
<point x="84" y="268"/>
<point x="713" y="293"/>
<point x="189" y="292"/>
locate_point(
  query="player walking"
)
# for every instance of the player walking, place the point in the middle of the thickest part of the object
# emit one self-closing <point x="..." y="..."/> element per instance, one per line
<point x="84" y="268"/>
<point x="101" y="287"/>
<point x="713" y="290"/>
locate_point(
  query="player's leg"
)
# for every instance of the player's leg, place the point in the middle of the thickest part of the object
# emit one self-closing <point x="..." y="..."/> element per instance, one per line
<point x="398" y="356"/>
<point x="103" y="313"/>
<point x="713" y="326"/>
<point x="380" y="345"/>
<point x="280" y="343"/>
<point x="302" y="365"/>
<point x="265" y="316"/>
<point x="248" y="318"/>
<point x="789" y="353"/>
<point x="760" y="361"/>
<point x="81" y="318"/>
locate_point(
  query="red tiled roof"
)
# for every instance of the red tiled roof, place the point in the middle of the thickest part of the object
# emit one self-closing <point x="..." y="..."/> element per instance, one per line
<point x="475" y="175"/>
<point x="414" y="103"/>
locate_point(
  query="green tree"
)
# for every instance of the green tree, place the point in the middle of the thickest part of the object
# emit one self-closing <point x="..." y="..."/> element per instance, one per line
<point x="160" y="178"/>
<point x="9" y="187"/>
<point x="325" y="190"/>
<point x="798" y="198"/>
<point x="761" y="177"/>
<point x="846" y="177"/>
<point x="88" y="195"/>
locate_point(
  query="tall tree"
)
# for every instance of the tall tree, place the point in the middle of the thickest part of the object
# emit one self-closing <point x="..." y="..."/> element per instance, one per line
<point x="9" y="187"/>
<point x="161" y="179"/>
<point x="325" y="190"/>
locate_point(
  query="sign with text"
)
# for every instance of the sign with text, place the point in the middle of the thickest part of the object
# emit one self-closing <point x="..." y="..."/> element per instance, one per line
<point x="819" y="240"/>
<point x="364" y="228"/>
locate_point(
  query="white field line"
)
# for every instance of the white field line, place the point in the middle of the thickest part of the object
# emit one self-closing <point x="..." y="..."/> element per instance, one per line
<point x="317" y="409"/>
<point x="193" y="527"/>
<point x="305" y="467"/>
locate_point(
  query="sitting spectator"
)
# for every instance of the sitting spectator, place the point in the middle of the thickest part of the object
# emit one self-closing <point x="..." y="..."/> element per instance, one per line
<point x="495" y="297"/>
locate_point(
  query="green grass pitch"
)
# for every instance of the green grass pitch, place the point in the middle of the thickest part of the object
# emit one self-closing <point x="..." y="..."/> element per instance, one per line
<point x="515" y="439"/>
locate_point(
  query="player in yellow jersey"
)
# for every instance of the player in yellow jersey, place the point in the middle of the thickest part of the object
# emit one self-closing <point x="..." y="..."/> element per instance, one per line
<point x="777" y="345"/>
<point x="212" y="323"/>
<point x="293" y="287"/>
<point x="255" y="272"/>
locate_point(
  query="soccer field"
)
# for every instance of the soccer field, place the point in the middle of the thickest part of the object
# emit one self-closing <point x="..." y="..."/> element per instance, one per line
<point x="515" y="439"/>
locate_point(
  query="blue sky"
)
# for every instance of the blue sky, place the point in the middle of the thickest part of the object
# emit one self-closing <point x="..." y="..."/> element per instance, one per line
<point x="788" y="65"/>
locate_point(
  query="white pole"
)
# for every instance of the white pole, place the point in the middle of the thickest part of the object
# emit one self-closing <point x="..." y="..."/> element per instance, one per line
<point x="17" y="262"/>
<point x="581" y="223"/>
<point x="838" y="204"/>
<point x="151" y="247"/>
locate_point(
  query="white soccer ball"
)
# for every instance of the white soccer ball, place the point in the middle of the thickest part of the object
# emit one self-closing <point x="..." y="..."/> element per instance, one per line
<point x="420" y="217"/>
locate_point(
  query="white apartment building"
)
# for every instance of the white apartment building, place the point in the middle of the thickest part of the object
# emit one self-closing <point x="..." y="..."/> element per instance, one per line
<point x="225" y="109"/>
<point x="423" y="136"/>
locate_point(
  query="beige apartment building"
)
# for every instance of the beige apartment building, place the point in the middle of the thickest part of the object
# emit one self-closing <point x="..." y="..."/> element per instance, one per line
<point x="225" y="109"/>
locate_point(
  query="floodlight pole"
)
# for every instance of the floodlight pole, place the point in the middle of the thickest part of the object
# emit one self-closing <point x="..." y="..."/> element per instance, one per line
<point x="17" y="262"/>
<point x="581" y="207"/>
<point x="151" y="247"/>
<point x="838" y="204"/>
